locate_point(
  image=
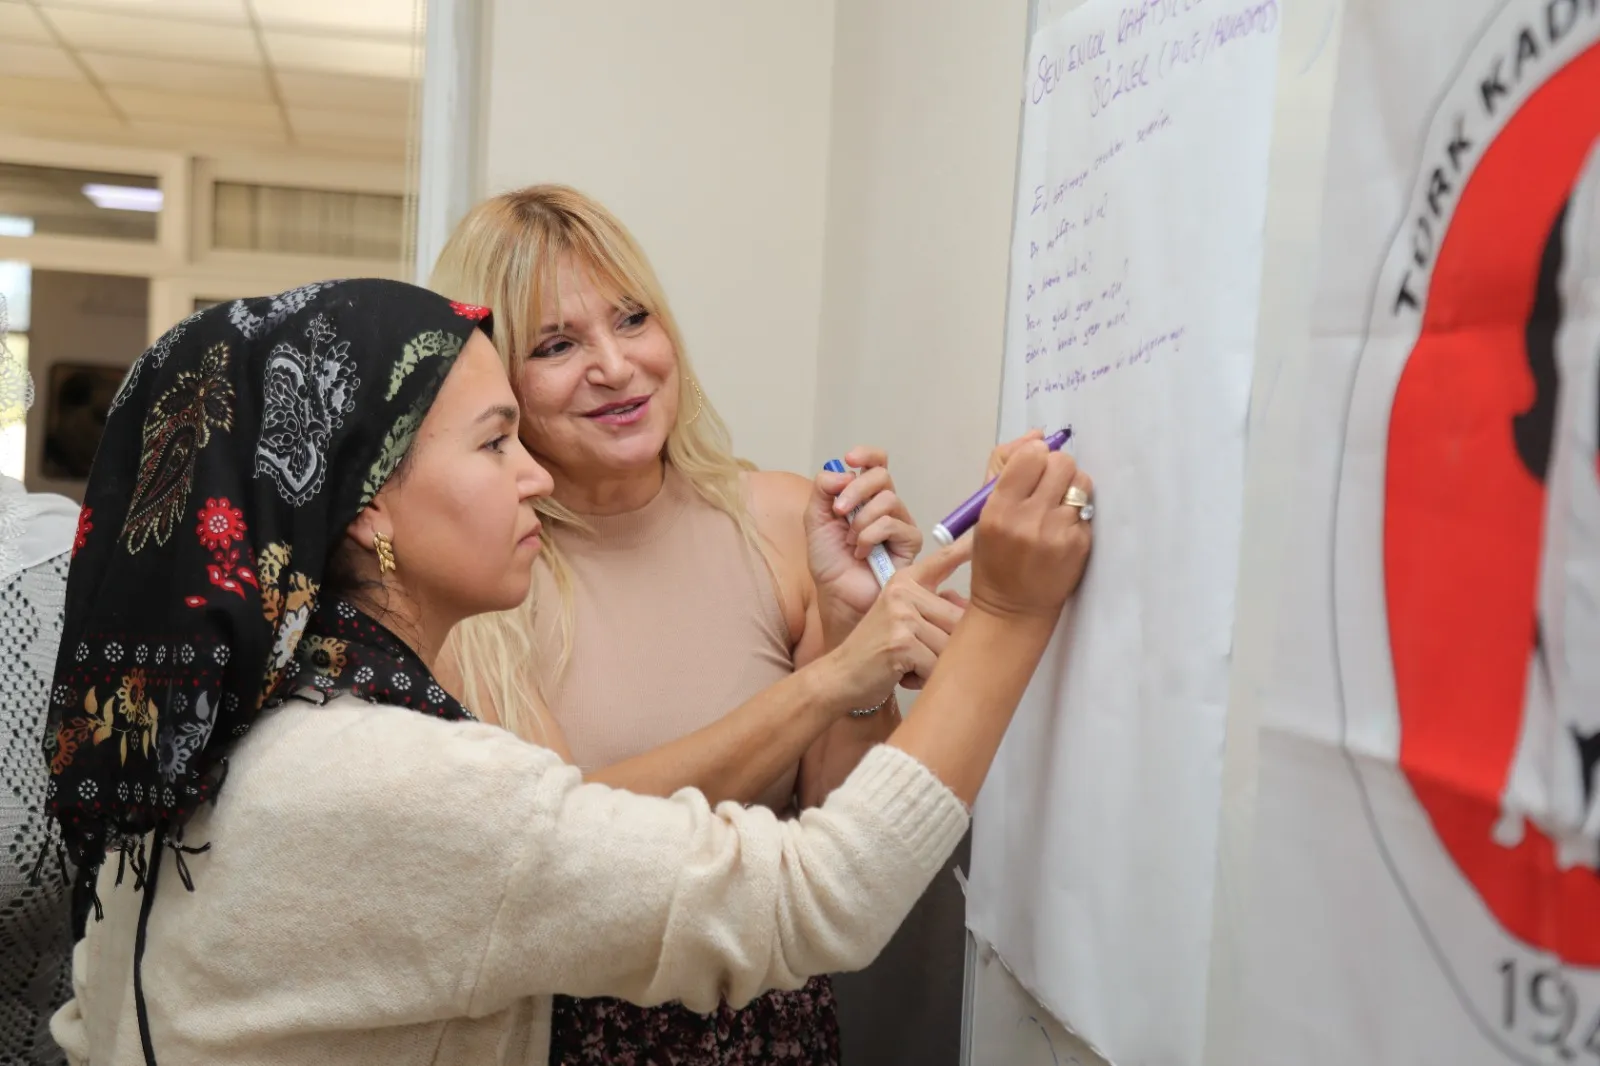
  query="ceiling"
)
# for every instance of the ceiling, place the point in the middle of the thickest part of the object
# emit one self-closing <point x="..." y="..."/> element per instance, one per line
<point x="328" y="77"/>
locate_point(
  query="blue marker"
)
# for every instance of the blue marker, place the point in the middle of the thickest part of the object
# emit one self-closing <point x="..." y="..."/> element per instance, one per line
<point x="878" y="555"/>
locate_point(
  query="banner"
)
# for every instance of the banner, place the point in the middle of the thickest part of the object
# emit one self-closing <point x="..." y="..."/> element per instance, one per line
<point x="1428" y="817"/>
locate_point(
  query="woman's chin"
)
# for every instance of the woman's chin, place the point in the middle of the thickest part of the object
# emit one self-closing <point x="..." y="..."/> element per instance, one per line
<point x="514" y="591"/>
<point x="637" y="453"/>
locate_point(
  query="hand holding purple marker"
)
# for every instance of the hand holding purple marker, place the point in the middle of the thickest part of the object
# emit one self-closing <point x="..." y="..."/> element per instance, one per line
<point x="965" y="517"/>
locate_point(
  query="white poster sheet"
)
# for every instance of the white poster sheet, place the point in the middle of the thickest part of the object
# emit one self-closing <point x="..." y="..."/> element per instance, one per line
<point x="1428" y="815"/>
<point x="1132" y="311"/>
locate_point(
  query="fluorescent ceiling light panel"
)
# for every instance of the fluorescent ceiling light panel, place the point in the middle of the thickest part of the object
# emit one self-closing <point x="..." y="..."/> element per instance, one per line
<point x="123" y="197"/>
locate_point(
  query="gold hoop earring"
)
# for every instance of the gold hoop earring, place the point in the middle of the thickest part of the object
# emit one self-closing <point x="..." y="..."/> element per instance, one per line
<point x="385" y="549"/>
<point x="700" y="406"/>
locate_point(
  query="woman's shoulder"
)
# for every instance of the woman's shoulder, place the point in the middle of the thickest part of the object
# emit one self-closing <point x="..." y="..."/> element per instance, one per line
<point x="777" y="500"/>
<point x="356" y="764"/>
<point x="378" y="737"/>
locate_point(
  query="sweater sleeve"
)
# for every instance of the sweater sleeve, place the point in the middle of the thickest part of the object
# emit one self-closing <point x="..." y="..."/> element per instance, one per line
<point x="676" y="900"/>
<point x="512" y="878"/>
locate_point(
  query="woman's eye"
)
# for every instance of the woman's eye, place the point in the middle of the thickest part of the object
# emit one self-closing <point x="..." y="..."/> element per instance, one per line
<point x="498" y="444"/>
<point x="635" y="320"/>
<point x="559" y="346"/>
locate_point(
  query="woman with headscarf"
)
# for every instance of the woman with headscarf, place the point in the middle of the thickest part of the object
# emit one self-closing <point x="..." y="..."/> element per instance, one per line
<point x="36" y="533"/>
<point x="295" y="501"/>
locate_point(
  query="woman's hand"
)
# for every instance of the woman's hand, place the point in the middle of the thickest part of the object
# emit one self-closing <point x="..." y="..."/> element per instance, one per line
<point x="836" y="548"/>
<point x="1003" y="452"/>
<point x="1031" y="547"/>
<point x="902" y="634"/>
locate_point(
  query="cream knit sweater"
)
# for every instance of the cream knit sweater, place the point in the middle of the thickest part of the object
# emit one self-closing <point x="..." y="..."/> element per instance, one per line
<point x="387" y="888"/>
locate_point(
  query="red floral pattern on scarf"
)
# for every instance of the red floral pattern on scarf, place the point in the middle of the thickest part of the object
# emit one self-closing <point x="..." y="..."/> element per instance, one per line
<point x="221" y="528"/>
<point x="470" y="311"/>
<point x="221" y="524"/>
<point x="85" y="527"/>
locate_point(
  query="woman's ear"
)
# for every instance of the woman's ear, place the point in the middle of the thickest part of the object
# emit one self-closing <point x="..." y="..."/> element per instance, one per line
<point x="373" y="519"/>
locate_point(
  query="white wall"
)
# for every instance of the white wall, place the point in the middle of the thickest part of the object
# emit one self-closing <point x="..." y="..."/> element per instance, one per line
<point x="926" y="108"/>
<point x="703" y="124"/>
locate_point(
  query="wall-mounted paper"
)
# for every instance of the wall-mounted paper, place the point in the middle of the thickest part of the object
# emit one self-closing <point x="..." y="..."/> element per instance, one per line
<point x="1134" y="295"/>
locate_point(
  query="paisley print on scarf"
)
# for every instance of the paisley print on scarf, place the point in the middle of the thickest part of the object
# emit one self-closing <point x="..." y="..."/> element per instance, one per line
<point x="178" y="426"/>
<point x="395" y="445"/>
<point x="306" y="396"/>
<point x="153" y="356"/>
<point x="435" y="342"/>
<point x="280" y="309"/>
<point x="397" y="441"/>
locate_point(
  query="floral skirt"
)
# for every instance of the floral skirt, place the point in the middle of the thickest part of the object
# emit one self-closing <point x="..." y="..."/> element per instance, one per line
<point x="794" y="1028"/>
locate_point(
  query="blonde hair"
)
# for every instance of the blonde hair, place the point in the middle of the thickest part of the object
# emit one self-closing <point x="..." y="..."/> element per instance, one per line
<point x="505" y="255"/>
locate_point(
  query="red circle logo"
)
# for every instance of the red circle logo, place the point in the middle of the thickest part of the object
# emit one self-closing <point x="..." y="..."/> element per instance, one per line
<point x="1464" y="514"/>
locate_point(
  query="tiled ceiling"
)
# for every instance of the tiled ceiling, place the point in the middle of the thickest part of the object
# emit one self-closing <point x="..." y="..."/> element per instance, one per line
<point x="331" y="77"/>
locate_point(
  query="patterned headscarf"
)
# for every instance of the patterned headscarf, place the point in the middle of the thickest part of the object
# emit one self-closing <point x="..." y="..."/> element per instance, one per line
<point x="238" y="450"/>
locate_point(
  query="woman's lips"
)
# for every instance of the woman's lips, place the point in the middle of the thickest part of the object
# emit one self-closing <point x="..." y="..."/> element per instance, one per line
<point x="621" y="414"/>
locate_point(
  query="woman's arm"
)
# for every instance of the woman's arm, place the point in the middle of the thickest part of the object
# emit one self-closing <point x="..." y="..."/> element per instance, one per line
<point x="779" y="502"/>
<point x="740" y="755"/>
<point x="492" y="872"/>
<point x="737" y="757"/>
<point x="836" y="751"/>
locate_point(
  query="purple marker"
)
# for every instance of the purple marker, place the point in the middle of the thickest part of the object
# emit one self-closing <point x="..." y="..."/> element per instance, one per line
<point x="965" y="517"/>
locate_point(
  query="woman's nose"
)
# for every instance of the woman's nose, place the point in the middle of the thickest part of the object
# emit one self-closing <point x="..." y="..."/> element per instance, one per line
<point x="611" y="367"/>
<point x="533" y="480"/>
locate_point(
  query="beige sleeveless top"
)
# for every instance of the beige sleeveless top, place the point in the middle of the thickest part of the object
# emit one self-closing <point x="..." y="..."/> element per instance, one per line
<point x="677" y="623"/>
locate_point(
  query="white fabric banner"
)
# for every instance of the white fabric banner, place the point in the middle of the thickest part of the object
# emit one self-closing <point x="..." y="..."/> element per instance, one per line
<point x="1427" y="816"/>
<point x="1134" y="296"/>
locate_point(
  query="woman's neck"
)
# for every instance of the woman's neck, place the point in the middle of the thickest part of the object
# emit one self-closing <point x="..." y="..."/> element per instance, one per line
<point x="611" y="492"/>
<point x="411" y="625"/>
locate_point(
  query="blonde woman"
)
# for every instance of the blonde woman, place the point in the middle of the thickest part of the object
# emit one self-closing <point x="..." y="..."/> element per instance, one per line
<point x="677" y="587"/>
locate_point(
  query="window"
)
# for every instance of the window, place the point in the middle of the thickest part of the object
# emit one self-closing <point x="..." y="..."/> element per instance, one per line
<point x="63" y="202"/>
<point x="277" y="218"/>
<point x="105" y="246"/>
